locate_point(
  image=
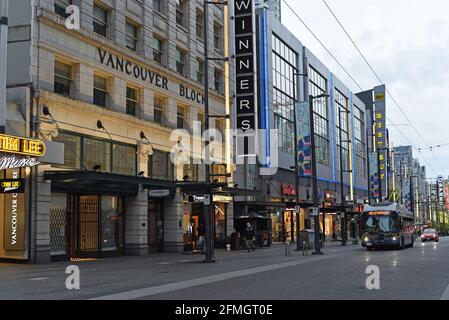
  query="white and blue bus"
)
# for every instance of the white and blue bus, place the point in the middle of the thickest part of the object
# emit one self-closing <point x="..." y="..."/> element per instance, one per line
<point x="387" y="225"/>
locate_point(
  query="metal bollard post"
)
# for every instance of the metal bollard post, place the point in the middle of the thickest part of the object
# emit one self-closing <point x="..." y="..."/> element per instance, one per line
<point x="305" y="247"/>
<point x="287" y="248"/>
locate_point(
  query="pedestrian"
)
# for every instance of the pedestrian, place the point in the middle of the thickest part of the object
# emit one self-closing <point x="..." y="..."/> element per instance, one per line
<point x="249" y="237"/>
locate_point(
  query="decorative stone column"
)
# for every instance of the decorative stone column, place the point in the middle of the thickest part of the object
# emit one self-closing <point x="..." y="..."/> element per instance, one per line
<point x="174" y="212"/>
<point x="136" y="229"/>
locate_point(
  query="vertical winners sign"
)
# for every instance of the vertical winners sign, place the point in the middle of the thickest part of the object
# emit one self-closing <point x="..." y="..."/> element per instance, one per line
<point x="245" y="77"/>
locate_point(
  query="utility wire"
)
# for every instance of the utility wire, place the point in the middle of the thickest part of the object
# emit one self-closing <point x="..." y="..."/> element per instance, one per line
<point x="347" y="72"/>
<point x="322" y="44"/>
<point x="380" y="80"/>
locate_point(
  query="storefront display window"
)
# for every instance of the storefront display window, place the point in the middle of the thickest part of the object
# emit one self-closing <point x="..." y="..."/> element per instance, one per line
<point x="289" y="219"/>
<point x="278" y="233"/>
<point x="220" y="225"/>
<point x="110" y="218"/>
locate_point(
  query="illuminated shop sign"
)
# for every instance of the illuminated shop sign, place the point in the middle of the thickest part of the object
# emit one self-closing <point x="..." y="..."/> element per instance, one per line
<point x="12" y="186"/>
<point x="13" y="210"/>
<point x="288" y="189"/>
<point x="440" y="190"/>
<point x="22" y="146"/>
<point x="381" y="135"/>
<point x="245" y="74"/>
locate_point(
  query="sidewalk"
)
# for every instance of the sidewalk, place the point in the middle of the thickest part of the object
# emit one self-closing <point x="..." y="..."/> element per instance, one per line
<point x="111" y="275"/>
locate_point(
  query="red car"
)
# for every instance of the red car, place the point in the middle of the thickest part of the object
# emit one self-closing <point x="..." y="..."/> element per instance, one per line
<point x="430" y="235"/>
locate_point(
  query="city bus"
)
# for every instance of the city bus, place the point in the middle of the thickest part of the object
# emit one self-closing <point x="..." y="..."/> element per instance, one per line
<point x="387" y="225"/>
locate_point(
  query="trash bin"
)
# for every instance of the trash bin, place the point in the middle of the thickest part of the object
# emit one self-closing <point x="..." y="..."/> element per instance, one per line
<point x="235" y="241"/>
<point x="308" y="235"/>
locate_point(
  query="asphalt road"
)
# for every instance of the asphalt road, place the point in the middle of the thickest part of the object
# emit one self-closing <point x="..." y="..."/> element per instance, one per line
<point x="421" y="272"/>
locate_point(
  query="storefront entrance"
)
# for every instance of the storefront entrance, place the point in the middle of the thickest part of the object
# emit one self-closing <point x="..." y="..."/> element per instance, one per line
<point x="94" y="226"/>
<point x="155" y="226"/>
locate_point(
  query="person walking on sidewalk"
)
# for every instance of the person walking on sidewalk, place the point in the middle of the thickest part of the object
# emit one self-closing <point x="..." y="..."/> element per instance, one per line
<point x="249" y="237"/>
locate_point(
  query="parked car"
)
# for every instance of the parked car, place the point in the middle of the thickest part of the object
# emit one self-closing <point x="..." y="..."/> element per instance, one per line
<point x="430" y="235"/>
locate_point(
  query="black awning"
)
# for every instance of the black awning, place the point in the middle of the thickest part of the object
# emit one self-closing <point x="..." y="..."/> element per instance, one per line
<point x="252" y="215"/>
<point x="227" y="191"/>
<point x="200" y="187"/>
<point x="96" y="182"/>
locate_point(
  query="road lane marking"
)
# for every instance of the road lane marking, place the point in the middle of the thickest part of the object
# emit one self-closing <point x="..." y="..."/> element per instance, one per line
<point x="445" y="295"/>
<point x="38" y="279"/>
<point x="150" y="291"/>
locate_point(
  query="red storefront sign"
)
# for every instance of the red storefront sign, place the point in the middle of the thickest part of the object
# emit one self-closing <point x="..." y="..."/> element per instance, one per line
<point x="329" y="198"/>
<point x="288" y="189"/>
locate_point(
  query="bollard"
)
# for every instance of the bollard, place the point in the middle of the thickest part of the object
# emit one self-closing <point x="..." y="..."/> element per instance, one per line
<point x="287" y="248"/>
<point x="305" y="247"/>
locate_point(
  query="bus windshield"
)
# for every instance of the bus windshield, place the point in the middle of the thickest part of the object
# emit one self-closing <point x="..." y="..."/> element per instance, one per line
<point x="375" y="224"/>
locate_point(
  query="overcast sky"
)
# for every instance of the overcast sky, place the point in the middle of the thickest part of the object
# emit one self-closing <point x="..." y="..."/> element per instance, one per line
<point x="407" y="43"/>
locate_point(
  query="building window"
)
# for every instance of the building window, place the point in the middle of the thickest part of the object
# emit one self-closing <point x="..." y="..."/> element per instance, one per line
<point x="131" y="101"/>
<point x="217" y="36"/>
<point x="220" y="126"/>
<point x="359" y="144"/>
<point x="159" y="111"/>
<point x="96" y="152"/>
<point x="199" y="24"/>
<point x="124" y="159"/>
<point x="341" y="103"/>
<point x="61" y="6"/>
<point x="180" y="61"/>
<point x="318" y="86"/>
<point x="284" y="93"/>
<point x="157" y="45"/>
<point x="160" y="166"/>
<point x="181" y="6"/>
<point x="158" y="5"/>
<point x="72" y="149"/>
<point x="199" y="70"/>
<point x="218" y="76"/>
<point x="181" y="118"/>
<point x="87" y="152"/>
<point x="63" y="79"/>
<point x="131" y="36"/>
<point x="100" y="21"/>
<point x="201" y="122"/>
<point x="190" y="170"/>
<point x="100" y="91"/>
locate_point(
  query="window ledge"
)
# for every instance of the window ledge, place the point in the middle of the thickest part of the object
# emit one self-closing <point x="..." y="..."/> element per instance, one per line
<point x="161" y="15"/>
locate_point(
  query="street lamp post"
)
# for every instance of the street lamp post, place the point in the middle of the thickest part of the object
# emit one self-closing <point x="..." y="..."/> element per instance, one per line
<point x="344" y="233"/>
<point x="298" y="218"/>
<point x="209" y="252"/>
<point x="314" y="175"/>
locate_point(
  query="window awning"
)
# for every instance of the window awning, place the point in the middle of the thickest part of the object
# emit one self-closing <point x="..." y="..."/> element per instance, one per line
<point x="217" y="188"/>
<point x="96" y="182"/>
